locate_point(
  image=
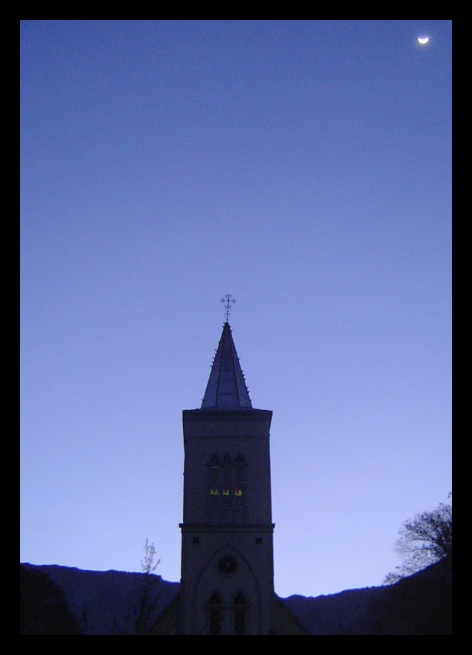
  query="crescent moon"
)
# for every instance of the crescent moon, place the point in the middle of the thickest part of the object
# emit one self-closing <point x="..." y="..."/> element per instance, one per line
<point x="423" y="39"/>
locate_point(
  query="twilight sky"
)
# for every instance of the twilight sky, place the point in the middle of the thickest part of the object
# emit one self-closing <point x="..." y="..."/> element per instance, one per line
<point x="305" y="168"/>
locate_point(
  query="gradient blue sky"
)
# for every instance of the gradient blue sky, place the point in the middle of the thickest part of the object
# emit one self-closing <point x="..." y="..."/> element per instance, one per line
<point x="304" y="167"/>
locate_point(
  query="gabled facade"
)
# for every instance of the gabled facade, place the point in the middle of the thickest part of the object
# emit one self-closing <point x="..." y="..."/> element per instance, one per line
<point x="227" y="575"/>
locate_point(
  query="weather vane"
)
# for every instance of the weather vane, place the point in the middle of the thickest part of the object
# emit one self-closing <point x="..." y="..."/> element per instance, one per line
<point x="228" y="301"/>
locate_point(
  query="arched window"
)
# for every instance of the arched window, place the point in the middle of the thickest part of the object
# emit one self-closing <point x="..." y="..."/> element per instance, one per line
<point x="227" y="482"/>
<point x="214" y="476"/>
<point x="227" y="489"/>
<point x="240" y="614"/>
<point x="215" y="614"/>
<point x="239" y="478"/>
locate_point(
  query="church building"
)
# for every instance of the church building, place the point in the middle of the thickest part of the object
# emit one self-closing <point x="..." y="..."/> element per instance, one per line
<point x="227" y="572"/>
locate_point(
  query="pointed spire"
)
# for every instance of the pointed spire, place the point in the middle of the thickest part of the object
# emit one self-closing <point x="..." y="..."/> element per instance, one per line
<point x="226" y="388"/>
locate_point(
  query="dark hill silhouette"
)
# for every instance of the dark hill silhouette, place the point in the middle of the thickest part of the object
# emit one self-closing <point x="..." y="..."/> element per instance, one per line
<point x="102" y="603"/>
<point x="43" y="607"/>
<point x="420" y="604"/>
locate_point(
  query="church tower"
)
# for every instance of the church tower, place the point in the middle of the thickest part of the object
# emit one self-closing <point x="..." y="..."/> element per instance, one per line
<point x="227" y="574"/>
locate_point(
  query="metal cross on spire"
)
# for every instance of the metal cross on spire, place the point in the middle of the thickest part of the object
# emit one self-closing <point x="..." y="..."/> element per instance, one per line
<point x="228" y="301"/>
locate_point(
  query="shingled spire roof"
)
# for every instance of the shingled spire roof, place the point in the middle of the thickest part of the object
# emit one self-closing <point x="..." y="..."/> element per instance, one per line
<point x="226" y="388"/>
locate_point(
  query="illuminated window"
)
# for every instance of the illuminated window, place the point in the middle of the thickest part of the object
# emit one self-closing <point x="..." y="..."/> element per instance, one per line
<point x="214" y="476"/>
<point x="227" y="466"/>
<point x="227" y="489"/>
<point x="239" y="478"/>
